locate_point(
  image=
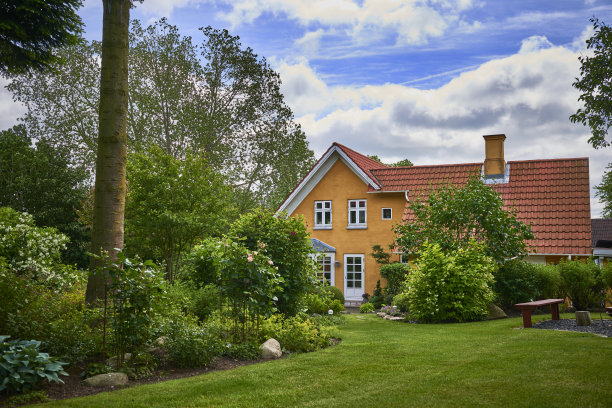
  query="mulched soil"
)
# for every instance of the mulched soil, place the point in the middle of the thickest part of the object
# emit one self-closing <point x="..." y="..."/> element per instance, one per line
<point x="601" y="327"/>
<point x="73" y="386"/>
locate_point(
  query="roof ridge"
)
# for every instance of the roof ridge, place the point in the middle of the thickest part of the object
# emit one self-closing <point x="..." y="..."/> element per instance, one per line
<point x="363" y="156"/>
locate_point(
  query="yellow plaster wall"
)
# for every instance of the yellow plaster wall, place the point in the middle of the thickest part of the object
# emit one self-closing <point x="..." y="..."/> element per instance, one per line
<point x="339" y="185"/>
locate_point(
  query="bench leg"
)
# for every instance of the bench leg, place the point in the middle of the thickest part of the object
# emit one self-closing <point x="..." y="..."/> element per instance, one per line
<point x="526" y="318"/>
<point x="555" y="311"/>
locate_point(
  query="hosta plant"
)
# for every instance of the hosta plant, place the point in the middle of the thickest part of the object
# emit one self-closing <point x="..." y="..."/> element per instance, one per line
<point x="23" y="367"/>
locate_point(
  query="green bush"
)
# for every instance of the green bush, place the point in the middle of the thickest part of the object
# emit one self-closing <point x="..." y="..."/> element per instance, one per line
<point x="297" y="333"/>
<point x="580" y="281"/>
<point x="189" y="344"/>
<point x="61" y="321"/>
<point x="378" y="296"/>
<point x="395" y="274"/>
<point x="451" y="286"/>
<point x="548" y="281"/>
<point x="207" y="300"/>
<point x="202" y="265"/>
<point x="23" y="367"/>
<point x="606" y="275"/>
<point x="519" y="281"/>
<point x="286" y="242"/>
<point x="244" y="351"/>
<point x="321" y="300"/>
<point x="402" y="301"/>
<point x="334" y="293"/>
<point x="366" y="307"/>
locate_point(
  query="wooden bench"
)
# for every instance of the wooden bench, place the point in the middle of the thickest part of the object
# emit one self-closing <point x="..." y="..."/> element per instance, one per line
<point x="527" y="307"/>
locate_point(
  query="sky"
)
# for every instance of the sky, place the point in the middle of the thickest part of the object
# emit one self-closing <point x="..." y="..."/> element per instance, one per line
<point x="416" y="79"/>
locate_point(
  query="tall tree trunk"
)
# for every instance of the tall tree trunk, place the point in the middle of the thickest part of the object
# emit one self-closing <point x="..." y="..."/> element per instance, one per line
<point x="110" y="187"/>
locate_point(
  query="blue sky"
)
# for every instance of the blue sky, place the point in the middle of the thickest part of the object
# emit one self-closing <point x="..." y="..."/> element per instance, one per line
<point x="413" y="79"/>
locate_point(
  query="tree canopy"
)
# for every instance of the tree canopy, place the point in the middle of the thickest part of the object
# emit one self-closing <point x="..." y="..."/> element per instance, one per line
<point x="451" y="216"/>
<point x="595" y="83"/>
<point x="31" y="29"/>
<point x="604" y="192"/>
<point x="217" y="97"/>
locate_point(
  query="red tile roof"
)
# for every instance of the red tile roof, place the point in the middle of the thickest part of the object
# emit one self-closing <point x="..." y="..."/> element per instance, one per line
<point x="550" y="195"/>
<point x="366" y="164"/>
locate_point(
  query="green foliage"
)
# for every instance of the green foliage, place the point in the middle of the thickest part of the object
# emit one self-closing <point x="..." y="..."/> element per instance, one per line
<point x="297" y="333"/>
<point x="202" y="266"/>
<point x="171" y="203"/>
<point x="34" y="252"/>
<point x="27" y="398"/>
<point x="580" y="281"/>
<point x="244" y="351"/>
<point x="451" y="286"/>
<point x="189" y="344"/>
<point x="335" y="293"/>
<point x="133" y="289"/>
<point x="378" y="296"/>
<point x="380" y="256"/>
<point x="38" y="179"/>
<point x="548" y="281"/>
<point x="94" y="369"/>
<point x="286" y="241"/>
<point x="519" y="281"/>
<point x="31" y="30"/>
<point x="402" y="301"/>
<point x="59" y="320"/>
<point x="23" y="367"/>
<point x="207" y="300"/>
<point x="401" y="163"/>
<point x="452" y="216"/>
<point x="366" y="307"/>
<point x="604" y="192"/>
<point x="322" y="300"/>
<point x="594" y="83"/>
<point x="395" y="274"/>
<point x="606" y="275"/>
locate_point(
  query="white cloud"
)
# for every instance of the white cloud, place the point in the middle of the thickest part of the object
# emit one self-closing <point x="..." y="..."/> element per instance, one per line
<point x="528" y="96"/>
<point x="411" y="21"/>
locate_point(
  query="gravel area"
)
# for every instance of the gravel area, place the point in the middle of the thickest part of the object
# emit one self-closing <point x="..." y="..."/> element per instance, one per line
<point x="599" y="327"/>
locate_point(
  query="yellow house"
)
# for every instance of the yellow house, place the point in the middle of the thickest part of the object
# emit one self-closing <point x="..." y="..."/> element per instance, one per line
<point x="351" y="202"/>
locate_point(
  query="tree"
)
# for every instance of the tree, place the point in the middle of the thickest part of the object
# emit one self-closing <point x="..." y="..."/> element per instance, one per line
<point x="217" y="97"/>
<point x="110" y="188"/>
<point x="172" y="203"/>
<point x="38" y="179"/>
<point x="452" y="216"/>
<point x="401" y="163"/>
<point x="595" y="84"/>
<point x="31" y="29"/>
<point x="604" y="192"/>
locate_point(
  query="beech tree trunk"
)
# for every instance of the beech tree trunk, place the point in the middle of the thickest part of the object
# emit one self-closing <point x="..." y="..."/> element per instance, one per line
<point x="110" y="186"/>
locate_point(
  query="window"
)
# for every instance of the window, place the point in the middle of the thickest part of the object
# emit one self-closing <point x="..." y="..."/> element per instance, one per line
<point x="324" y="274"/>
<point x="386" y="213"/>
<point x="323" y="214"/>
<point x="357" y="213"/>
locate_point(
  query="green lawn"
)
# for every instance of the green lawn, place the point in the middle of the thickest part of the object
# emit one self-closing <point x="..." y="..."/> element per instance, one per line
<point x="386" y="364"/>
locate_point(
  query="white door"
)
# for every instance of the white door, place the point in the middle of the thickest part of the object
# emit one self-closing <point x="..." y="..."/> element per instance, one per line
<point x="353" y="276"/>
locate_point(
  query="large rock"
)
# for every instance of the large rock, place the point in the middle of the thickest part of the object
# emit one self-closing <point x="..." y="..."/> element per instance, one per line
<point x="107" y="380"/>
<point x="271" y="349"/>
<point x="495" y="312"/>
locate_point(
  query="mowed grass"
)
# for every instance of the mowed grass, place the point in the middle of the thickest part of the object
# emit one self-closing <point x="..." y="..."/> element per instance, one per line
<point x="386" y="364"/>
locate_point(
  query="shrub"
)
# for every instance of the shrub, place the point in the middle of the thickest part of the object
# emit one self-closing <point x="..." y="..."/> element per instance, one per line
<point x="366" y="308"/>
<point x="395" y="274"/>
<point x="451" y="287"/>
<point x="548" y="281"/>
<point x="378" y="297"/>
<point x="402" y="301"/>
<point x="390" y="310"/>
<point x="580" y="281"/>
<point x="334" y="293"/>
<point x="286" y="242"/>
<point x="59" y="320"/>
<point x="207" y="300"/>
<point x="606" y="275"/>
<point x="23" y="367"/>
<point x="321" y="300"/>
<point x="297" y="333"/>
<point x="202" y="265"/>
<point x="519" y="281"/>
<point x="244" y="351"/>
<point x="189" y="344"/>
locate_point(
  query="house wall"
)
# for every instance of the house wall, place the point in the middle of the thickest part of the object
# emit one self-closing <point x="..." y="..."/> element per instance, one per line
<point x="339" y="185"/>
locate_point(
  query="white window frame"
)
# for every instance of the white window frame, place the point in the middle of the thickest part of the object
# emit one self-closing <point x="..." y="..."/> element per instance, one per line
<point x="382" y="213"/>
<point x="320" y="259"/>
<point x="357" y="210"/>
<point x="323" y="210"/>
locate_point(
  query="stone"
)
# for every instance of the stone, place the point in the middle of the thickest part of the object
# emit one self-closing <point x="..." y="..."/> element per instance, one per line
<point x="107" y="380"/>
<point x="112" y="362"/>
<point x="381" y="314"/>
<point x="271" y="349"/>
<point x="583" y="319"/>
<point x="495" y="312"/>
<point x="160" y="341"/>
<point x="397" y="318"/>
